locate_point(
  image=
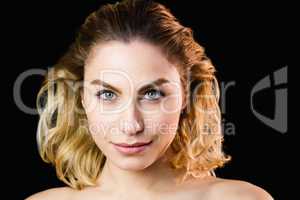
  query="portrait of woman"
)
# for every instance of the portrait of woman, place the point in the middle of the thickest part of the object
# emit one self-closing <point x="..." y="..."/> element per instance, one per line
<point x="130" y="111"/>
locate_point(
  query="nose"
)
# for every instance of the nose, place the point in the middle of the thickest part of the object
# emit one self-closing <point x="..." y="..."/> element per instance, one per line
<point x="132" y="121"/>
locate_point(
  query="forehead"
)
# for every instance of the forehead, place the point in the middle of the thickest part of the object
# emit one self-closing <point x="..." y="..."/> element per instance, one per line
<point x="138" y="62"/>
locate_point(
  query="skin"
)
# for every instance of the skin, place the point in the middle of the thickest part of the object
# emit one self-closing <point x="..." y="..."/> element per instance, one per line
<point x="145" y="174"/>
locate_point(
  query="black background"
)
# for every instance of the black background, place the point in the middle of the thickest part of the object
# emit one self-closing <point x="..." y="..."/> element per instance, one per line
<point x="246" y="42"/>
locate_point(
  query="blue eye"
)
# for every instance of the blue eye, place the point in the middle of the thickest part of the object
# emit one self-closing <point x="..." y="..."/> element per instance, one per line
<point x="106" y="95"/>
<point x="155" y="94"/>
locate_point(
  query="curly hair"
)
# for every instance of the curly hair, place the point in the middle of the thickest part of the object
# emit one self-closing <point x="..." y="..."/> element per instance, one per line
<point x="62" y="139"/>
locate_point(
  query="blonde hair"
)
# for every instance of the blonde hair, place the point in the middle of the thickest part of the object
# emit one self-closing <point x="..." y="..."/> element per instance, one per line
<point x="62" y="136"/>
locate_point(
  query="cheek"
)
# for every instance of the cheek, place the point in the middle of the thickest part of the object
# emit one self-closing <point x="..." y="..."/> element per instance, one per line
<point x="100" y="126"/>
<point x="166" y="126"/>
<point x="101" y="132"/>
<point x="165" y="131"/>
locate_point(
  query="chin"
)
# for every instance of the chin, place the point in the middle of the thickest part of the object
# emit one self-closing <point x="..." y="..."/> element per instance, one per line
<point x="133" y="163"/>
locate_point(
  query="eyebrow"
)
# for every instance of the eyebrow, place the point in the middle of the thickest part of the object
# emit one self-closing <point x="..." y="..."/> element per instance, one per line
<point x="157" y="82"/>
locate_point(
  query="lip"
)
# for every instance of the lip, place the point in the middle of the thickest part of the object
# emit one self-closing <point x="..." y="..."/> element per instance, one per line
<point x="132" y="145"/>
<point x="132" y="148"/>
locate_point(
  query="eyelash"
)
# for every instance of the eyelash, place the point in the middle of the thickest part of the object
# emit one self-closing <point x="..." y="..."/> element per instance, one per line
<point x="99" y="93"/>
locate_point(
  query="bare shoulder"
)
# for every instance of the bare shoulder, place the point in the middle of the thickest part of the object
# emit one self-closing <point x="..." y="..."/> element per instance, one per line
<point x="236" y="189"/>
<point x="59" y="193"/>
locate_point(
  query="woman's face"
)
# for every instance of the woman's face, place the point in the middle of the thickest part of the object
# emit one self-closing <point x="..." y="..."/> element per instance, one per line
<point x="131" y="94"/>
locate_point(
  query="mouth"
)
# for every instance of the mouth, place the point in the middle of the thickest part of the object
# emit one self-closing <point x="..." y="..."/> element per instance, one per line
<point x="137" y="144"/>
<point x="132" y="148"/>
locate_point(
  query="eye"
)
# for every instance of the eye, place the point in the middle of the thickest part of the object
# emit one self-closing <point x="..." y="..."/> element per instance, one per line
<point x="106" y="95"/>
<point x="154" y="94"/>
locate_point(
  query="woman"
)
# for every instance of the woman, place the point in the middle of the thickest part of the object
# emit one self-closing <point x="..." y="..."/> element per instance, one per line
<point x="131" y="112"/>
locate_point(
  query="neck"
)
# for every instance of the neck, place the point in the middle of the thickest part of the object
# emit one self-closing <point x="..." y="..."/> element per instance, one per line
<point x="147" y="180"/>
